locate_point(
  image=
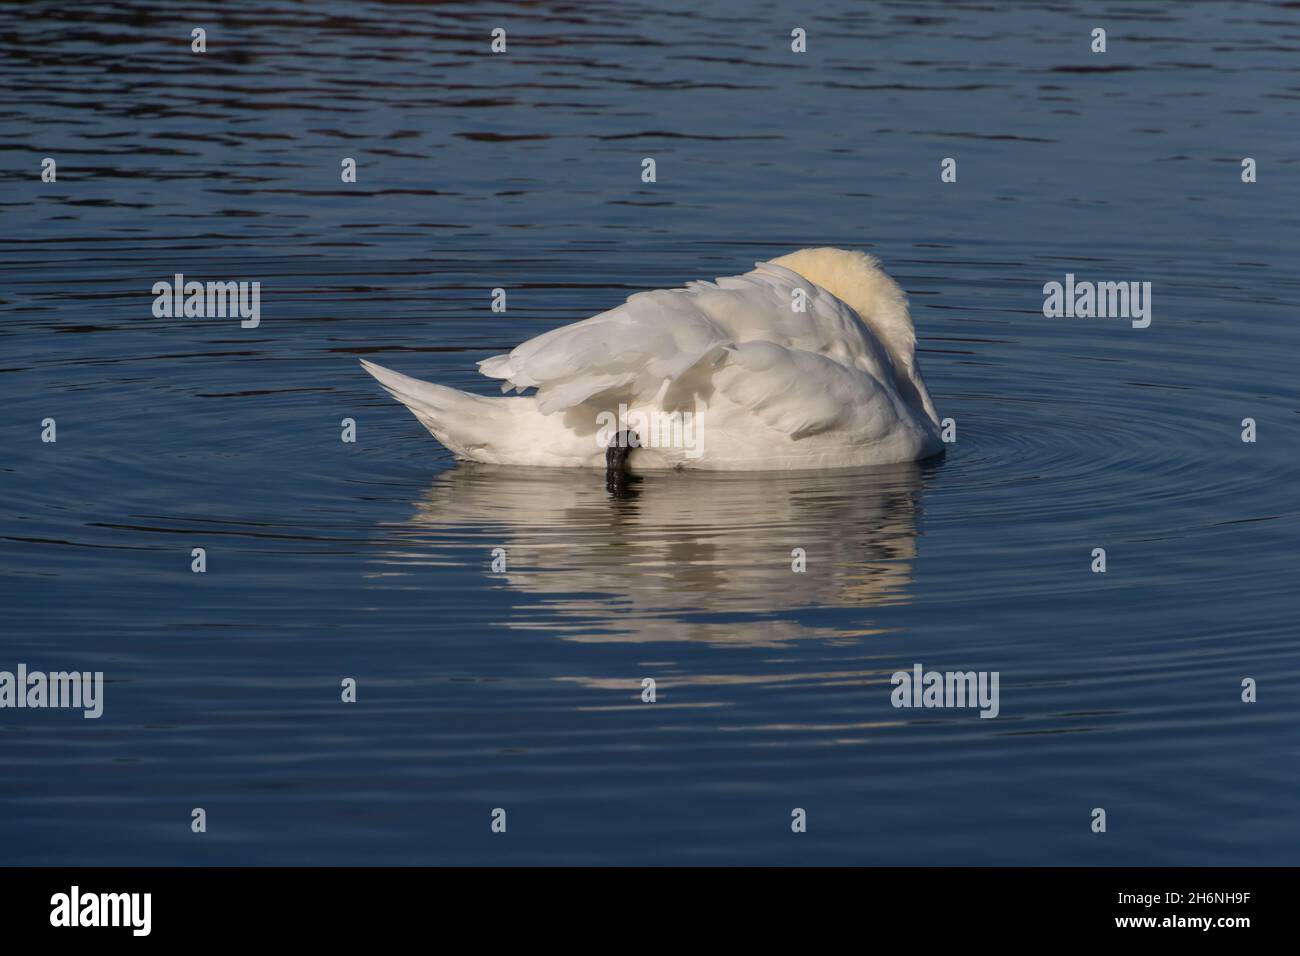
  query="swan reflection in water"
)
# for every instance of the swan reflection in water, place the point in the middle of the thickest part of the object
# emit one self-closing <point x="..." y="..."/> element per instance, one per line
<point x="678" y="556"/>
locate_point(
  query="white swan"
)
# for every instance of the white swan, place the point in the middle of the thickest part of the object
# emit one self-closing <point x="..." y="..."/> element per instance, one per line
<point x="770" y="387"/>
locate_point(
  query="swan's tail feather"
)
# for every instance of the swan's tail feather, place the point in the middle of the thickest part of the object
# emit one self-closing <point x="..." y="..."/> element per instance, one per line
<point x="461" y="421"/>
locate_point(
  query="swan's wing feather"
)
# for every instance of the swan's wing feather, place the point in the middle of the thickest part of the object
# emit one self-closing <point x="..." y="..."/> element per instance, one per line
<point x="652" y="338"/>
<point x="657" y="337"/>
<point x="775" y="304"/>
<point x="801" y="393"/>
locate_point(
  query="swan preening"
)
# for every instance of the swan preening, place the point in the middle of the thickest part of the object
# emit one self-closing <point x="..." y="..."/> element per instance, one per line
<point x="807" y="362"/>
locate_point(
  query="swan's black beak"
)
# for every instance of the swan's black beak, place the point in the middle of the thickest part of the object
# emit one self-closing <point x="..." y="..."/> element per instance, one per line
<point x="617" y="480"/>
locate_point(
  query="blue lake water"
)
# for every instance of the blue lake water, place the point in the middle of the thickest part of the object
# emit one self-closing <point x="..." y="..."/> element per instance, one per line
<point x="521" y="690"/>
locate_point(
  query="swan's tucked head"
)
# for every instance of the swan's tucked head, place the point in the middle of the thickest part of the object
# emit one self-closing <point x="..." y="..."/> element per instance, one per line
<point x="857" y="280"/>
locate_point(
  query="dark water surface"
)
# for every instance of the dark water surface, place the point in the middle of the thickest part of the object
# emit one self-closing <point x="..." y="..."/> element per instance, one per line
<point x="522" y="690"/>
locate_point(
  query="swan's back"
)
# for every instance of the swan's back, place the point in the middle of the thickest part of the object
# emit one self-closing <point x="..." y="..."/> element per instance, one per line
<point x="851" y="312"/>
<point x="808" y="361"/>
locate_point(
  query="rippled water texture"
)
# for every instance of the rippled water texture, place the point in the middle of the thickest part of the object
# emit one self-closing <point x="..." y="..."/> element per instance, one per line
<point x="521" y="689"/>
